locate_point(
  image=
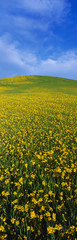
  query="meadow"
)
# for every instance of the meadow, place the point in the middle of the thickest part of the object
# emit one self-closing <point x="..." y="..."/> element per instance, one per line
<point x="38" y="158"/>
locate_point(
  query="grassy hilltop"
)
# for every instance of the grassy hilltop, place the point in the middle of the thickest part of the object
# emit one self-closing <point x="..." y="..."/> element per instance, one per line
<point x="24" y="83"/>
<point x="38" y="158"/>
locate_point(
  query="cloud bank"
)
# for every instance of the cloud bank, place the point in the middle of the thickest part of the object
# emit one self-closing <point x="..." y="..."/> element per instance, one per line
<point x="20" y="62"/>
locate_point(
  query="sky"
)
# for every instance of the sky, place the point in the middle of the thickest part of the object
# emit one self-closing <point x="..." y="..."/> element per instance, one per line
<point x="38" y="38"/>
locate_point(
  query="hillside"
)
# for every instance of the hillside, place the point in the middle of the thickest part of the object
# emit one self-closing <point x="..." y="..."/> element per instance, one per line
<point x="38" y="83"/>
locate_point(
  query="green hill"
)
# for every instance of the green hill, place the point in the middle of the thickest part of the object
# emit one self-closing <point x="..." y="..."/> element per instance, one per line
<point x="24" y="83"/>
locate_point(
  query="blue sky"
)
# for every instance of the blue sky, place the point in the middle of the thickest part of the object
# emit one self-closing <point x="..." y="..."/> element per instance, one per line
<point x="38" y="38"/>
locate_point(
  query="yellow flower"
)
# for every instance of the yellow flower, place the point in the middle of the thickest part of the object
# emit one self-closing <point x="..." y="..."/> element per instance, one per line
<point x="41" y="216"/>
<point x="72" y="165"/>
<point x="56" y="184"/>
<point x="26" y="207"/>
<point x="13" y="220"/>
<point x="16" y="184"/>
<point x="4" y="219"/>
<point x="43" y="182"/>
<point x="34" y="201"/>
<point x="1" y="178"/>
<point x="46" y="196"/>
<point x="21" y="180"/>
<point x="58" y="227"/>
<point x="69" y="188"/>
<point x="6" y="181"/>
<point x="32" y="229"/>
<point x="21" y="194"/>
<point x="1" y="217"/>
<point x="43" y="208"/>
<point x="20" y="208"/>
<point x="21" y="155"/>
<point x="17" y="222"/>
<point x="63" y="174"/>
<point x="7" y="194"/>
<point x="15" y="193"/>
<point x="26" y="165"/>
<point x="3" y="193"/>
<point x="28" y="228"/>
<point x="25" y="237"/>
<point x="33" y="215"/>
<point x="15" y="201"/>
<point x="2" y="229"/>
<point x="61" y="193"/>
<point x="48" y="214"/>
<point x="51" y="209"/>
<point x="61" y="198"/>
<point x="50" y="193"/>
<point x="72" y="228"/>
<point x="23" y="220"/>
<point x="4" y="237"/>
<point x="64" y="184"/>
<point x="40" y="200"/>
<point x="58" y="169"/>
<point x="59" y="207"/>
<point x="50" y="230"/>
<point x="33" y="176"/>
<point x="54" y="216"/>
<point x="15" y="207"/>
<point x="30" y="182"/>
<point x="49" y="218"/>
<point x="39" y="157"/>
<point x="64" y="218"/>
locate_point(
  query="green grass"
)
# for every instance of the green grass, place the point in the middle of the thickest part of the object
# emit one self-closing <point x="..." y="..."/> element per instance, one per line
<point x="54" y="84"/>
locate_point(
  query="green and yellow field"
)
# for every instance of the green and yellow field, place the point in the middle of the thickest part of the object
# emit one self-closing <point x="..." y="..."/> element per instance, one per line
<point x="38" y="142"/>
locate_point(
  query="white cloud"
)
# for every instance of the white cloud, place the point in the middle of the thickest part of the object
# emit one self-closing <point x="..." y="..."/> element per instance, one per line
<point x="63" y="66"/>
<point x="45" y="5"/>
<point x="55" y="9"/>
<point x="38" y="5"/>
<point x="12" y="54"/>
<point x="29" y="24"/>
<point x="33" y="20"/>
<point x="14" y="59"/>
<point x="22" y="62"/>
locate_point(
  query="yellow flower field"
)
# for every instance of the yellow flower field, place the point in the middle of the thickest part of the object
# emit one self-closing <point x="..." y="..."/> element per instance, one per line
<point x="38" y="143"/>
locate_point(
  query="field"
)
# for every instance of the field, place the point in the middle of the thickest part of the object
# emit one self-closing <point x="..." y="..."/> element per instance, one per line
<point x="38" y="143"/>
